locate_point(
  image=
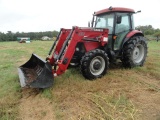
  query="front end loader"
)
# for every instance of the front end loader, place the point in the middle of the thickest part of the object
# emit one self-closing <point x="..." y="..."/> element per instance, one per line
<point x="111" y="36"/>
<point x="38" y="73"/>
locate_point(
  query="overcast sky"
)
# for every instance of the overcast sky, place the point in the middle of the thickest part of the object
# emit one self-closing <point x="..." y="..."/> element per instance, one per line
<point x="49" y="15"/>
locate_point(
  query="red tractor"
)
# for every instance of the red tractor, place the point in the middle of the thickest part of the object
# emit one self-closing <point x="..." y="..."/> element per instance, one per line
<point x="110" y="36"/>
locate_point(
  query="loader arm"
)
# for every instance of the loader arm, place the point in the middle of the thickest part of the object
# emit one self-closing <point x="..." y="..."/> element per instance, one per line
<point x="91" y="38"/>
<point x="57" y="46"/>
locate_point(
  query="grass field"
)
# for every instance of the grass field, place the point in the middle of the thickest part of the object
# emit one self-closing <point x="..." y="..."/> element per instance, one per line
<point x="122" y="94"/>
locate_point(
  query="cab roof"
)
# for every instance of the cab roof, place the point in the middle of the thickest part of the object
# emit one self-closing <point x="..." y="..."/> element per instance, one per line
<point x="114" y="9"/>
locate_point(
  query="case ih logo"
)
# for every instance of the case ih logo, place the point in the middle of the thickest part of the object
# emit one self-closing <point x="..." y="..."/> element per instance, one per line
<point x="98" y="29"/>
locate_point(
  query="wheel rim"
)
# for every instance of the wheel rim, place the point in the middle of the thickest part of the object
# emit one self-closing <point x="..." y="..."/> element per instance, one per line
<point x="97" y="65"/>
<point x="138" y="53"/>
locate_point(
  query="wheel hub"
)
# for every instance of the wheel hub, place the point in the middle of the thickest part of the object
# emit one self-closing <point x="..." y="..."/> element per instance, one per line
<point x="97" y="65"/>
<point x="138" y="53"/>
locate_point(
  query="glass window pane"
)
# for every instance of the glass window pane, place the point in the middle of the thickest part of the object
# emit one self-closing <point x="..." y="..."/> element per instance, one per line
<point x="124" y="25"/>
<point x="105" y="21"/>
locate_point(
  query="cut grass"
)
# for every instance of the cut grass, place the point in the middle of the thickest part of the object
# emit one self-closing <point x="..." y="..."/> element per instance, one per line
<point x="114" y="96"/>
<point x="112" y="107"/>
<point x="47" y="93"/>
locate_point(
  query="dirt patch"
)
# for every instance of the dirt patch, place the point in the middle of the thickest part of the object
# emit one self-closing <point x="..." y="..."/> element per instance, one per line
<point x="34" y="107"/>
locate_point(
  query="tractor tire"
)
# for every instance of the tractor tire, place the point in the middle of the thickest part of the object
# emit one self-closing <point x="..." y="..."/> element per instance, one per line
<point x="94" y="64"/>
<point x="134" y="52"/>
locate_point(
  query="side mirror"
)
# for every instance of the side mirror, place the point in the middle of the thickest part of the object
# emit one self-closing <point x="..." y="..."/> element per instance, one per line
<point x="138" y="12"/>
<point x="119" y="19"/>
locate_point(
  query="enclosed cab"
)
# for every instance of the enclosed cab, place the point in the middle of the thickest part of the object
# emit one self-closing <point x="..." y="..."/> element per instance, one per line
<point x="120" y="23"/>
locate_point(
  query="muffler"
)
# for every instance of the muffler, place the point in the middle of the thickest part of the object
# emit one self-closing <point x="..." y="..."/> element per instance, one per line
<point x="36" y="73"/>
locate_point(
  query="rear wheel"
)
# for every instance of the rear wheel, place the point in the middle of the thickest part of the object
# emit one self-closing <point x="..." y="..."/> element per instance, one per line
<point x="134" y="52"/>
<point x="94" y="64"/>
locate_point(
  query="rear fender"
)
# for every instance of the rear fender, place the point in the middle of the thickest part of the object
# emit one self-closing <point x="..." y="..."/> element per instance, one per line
<point x="131" y="34"/>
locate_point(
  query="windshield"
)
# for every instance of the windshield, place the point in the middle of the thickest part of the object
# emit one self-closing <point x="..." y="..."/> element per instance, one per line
<point x="105" y="21"/>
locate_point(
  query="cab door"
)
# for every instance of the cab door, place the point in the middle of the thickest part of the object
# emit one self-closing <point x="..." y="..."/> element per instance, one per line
<point x="122" y="27"/>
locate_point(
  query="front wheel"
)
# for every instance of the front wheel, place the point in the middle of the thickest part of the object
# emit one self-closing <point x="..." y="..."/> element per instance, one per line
<point x="134" y="52"/>
<point x="94" y="64"/>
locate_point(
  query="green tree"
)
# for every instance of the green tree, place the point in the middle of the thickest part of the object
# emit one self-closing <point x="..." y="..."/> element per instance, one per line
<point x="147" y="29"/>
<point x="9" y="36"/>
<point x="157" y="34"/>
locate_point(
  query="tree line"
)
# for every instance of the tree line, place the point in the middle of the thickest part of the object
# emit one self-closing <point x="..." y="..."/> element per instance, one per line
<point x="10" y="36"/>
<point x="149" y="30"/>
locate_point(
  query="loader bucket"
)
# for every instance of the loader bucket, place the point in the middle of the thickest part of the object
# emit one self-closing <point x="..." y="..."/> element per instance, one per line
<point x="36" y="73"/>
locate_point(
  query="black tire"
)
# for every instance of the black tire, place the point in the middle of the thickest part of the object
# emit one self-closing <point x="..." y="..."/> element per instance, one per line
<point x="134" y="52"/>
<point x="94" y="64"/>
